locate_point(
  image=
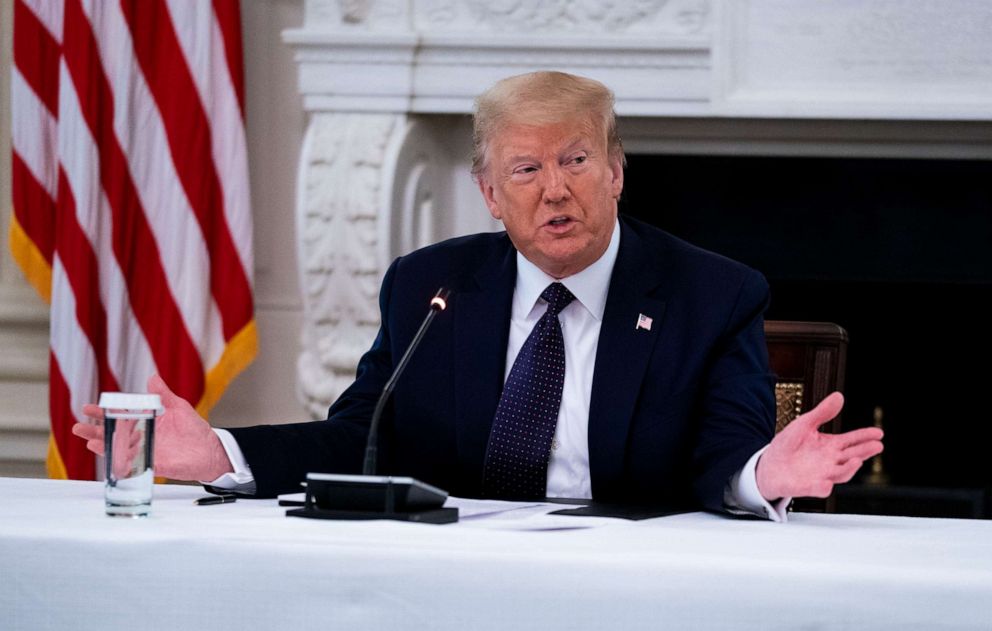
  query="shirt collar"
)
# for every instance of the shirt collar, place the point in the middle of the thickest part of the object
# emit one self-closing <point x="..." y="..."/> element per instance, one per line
<point x="589" y="286"/>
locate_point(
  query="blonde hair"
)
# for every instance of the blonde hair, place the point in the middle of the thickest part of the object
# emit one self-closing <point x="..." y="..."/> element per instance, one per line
<point x="541" y="98"/>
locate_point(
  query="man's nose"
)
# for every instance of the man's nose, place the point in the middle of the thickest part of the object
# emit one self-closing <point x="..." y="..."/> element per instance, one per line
<point x="555" y="185"/>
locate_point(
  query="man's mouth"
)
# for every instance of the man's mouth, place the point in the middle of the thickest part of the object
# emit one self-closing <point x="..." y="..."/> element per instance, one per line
<point x="559" y="221"/>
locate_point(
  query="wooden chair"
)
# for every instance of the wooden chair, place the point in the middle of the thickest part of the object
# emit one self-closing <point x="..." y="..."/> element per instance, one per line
<point x="808" y="359"/>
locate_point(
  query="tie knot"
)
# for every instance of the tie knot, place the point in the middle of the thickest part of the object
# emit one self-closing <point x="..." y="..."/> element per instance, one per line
<point x="557" y="296"/>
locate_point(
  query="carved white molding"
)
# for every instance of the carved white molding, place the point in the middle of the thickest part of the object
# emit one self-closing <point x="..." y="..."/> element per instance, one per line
<point x="882" y="59"/>
<point x="380" y="14"/>
<point x="673" y="17"/>
<point x="339" y="210"/>
<point x="435" y="56"/>
<point x="354" y="167"/>
<point x="657" y="16"/>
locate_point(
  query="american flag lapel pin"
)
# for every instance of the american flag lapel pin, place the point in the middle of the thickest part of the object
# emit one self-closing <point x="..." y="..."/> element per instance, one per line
<point x="643" y="322"/>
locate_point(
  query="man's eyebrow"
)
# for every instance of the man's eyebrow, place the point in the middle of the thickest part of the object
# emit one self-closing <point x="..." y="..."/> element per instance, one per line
<point x="521" y="157"/>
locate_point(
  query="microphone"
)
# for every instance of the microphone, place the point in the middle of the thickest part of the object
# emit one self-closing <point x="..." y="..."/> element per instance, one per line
<point x="369" y="496"/>
<point x="438" y="304"/>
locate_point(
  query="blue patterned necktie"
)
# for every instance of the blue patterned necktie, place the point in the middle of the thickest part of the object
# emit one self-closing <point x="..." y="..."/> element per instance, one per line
<point x="520" y="440"/>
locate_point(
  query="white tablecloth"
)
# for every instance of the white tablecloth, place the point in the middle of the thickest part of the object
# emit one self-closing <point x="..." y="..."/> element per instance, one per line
<point x="64" y="565"/>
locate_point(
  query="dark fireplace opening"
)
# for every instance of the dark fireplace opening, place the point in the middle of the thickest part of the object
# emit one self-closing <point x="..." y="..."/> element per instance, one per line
<point x="897" y="251"/>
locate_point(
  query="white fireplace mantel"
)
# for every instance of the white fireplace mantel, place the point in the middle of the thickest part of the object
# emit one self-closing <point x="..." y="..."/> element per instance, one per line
<point x="387" y="85"/>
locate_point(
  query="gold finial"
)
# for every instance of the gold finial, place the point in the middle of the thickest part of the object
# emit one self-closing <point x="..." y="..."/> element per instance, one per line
<point x="878" y="476"/>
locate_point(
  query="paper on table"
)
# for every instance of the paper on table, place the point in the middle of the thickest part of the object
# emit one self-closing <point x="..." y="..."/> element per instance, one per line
<point x="532" y="516"/>
<point x="497" y="509"/>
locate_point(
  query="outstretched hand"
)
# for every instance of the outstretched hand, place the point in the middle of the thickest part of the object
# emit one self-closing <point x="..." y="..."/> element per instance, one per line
<point x="185" y="446"/>
<point x="801" y="461"/>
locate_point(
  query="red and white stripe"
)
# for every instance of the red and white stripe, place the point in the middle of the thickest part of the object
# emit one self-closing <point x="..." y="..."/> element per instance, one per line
<point x="131" y="209"/>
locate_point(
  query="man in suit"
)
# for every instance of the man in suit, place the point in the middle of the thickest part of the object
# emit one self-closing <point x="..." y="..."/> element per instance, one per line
<point x="582" y="355"/>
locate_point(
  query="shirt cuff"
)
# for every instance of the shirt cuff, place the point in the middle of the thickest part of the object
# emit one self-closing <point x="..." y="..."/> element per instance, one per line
<point x="742" y="496"/>
<point x="241" y="480"/>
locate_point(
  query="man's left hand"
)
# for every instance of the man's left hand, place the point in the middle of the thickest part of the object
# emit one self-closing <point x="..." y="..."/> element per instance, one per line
<point x="801" y="461"/>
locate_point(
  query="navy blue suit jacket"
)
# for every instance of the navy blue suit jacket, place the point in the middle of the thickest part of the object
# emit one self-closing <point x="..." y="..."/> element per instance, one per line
<point x="674" y="411"/>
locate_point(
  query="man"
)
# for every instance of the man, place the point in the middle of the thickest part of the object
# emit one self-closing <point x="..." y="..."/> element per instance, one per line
<point x="582" y="355"/>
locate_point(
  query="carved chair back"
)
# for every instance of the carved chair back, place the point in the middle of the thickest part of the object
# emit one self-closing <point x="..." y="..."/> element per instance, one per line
<point x="808" y="360"/>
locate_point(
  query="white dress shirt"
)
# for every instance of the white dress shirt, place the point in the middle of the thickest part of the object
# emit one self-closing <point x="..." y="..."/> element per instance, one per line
<point x="568" y="468"/>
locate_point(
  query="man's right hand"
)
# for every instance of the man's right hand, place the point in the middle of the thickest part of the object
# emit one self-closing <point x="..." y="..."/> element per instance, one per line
<point x="185" y="446"/>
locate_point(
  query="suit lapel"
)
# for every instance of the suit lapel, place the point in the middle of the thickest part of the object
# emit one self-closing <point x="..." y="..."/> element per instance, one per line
<point x="621" y="359"/>
<point x="482" y="325"/>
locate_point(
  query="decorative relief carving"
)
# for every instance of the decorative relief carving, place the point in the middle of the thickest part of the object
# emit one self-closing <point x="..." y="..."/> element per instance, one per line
<point x="674" y="17"/>
<point x="439" y="12"/>
<point x="565" y="57"/>
<point x="564" y="16"/>
<point x="337" y="221"/>
<point x="692" y="16"/>
<point x="354" y="11"/>
<point x="363" y="14"/>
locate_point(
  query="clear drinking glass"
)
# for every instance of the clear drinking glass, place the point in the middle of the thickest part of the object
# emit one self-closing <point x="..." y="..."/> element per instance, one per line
<point x="128" y="438"/>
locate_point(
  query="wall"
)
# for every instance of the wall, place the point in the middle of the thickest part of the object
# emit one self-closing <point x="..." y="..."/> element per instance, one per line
<point x="266" y="391"/>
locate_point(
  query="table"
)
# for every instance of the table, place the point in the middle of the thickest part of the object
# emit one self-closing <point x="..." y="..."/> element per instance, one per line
<point x="64" y="565"/>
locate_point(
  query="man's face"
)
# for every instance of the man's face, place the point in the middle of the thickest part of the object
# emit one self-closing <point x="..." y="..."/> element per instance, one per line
<point x="554" y="187"/>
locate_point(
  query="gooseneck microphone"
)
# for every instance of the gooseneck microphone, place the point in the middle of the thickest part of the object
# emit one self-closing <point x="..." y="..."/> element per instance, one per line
<point x="370" y="496"/>
<point x="438" y="304"/>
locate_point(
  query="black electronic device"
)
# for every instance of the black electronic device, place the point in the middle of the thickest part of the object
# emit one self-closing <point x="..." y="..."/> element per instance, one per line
<point x="341" y="496"/>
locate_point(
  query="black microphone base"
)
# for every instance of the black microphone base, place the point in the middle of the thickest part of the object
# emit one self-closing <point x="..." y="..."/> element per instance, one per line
<point x="433" y="516"/>
<point x="358" y="497"/>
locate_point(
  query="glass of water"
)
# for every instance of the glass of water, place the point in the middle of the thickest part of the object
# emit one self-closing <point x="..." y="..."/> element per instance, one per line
<point x="128" y="439"/>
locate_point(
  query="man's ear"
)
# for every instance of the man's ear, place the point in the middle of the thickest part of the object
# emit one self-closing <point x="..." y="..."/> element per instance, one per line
<point x="616" y="185"/>
<point x="489" y="196"/>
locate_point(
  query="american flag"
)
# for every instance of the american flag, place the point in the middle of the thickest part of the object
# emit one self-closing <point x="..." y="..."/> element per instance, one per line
<point x="130" y="190"/>
<point x="643" y="322"/>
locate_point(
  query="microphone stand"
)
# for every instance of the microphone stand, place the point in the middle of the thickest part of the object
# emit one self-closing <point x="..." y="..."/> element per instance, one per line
<point x="438" y="304"/>
<point x="368" y="496"/>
